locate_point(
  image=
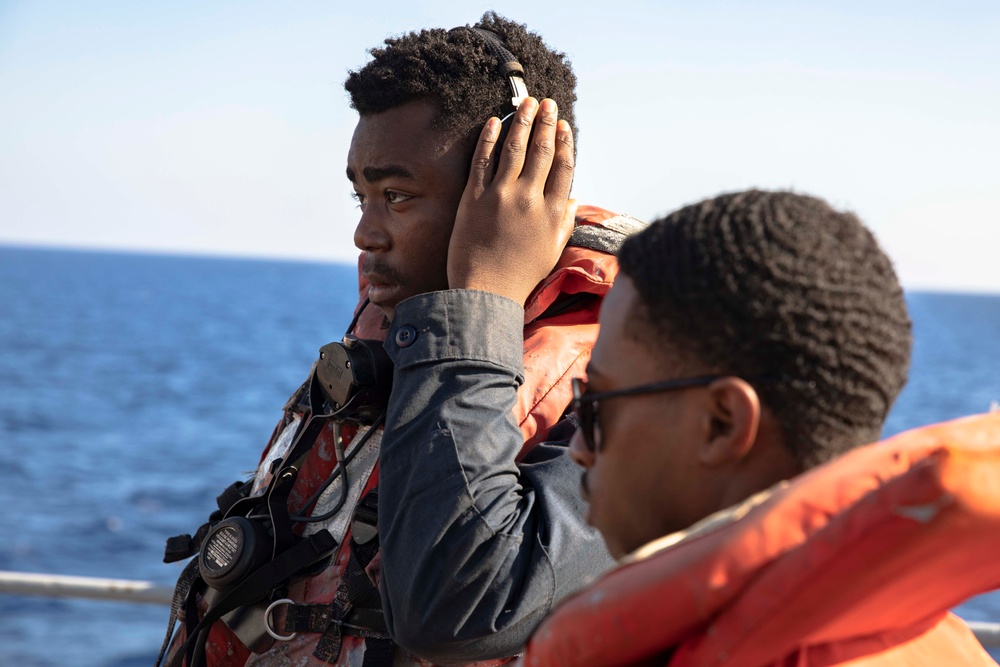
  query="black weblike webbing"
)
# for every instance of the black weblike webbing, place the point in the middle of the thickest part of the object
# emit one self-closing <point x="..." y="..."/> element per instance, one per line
<point x="260" y="583"/>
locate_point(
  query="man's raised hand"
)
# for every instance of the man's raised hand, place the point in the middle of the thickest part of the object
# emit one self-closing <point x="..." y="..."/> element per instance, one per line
<point x="515" y="217"/>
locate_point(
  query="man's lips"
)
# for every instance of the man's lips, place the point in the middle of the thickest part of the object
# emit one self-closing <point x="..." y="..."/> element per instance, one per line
<point x="376" y="280"/>
<point x="381" y="289"/>
<point x="380" y="276"/>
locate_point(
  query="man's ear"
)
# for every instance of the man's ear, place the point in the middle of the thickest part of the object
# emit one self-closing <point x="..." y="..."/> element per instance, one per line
<point x="734" y="417"/>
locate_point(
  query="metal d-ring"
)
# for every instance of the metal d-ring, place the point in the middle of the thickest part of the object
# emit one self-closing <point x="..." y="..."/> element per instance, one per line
<point x="267" y="621"/>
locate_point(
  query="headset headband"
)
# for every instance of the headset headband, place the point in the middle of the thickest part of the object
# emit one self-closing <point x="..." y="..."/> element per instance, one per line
<point x="507" y="64"/>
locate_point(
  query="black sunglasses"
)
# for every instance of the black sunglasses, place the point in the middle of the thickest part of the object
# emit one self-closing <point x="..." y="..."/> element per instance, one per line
<point x="585" y="404"/>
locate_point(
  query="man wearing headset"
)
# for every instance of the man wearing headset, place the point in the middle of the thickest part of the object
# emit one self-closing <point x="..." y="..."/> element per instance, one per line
<point x="456" y="531"/>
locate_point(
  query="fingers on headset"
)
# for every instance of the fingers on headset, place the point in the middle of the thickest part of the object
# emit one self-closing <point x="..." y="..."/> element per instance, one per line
<point x="482" y="168"/>
<point x="543" y="142"/>
<point x="516" y="145"/>
<point x="560" y="177"/>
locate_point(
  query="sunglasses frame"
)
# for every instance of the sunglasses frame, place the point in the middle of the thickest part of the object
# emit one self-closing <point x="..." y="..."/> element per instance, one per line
<point x="586" y="405"/>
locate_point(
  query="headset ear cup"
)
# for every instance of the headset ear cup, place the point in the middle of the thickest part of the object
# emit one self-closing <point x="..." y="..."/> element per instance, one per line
<point x="233" y="549"/>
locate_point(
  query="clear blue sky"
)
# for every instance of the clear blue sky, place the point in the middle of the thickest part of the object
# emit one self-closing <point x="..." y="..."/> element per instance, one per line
<point x="222" y="127"/>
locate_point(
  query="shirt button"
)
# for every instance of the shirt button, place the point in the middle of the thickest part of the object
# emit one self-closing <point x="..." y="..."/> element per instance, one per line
<point x="405" y="336"/>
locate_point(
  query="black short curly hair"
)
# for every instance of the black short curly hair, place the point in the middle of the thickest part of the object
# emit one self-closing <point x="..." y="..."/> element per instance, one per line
<point x="779" y="285"/>
<point x="453" y="70"/>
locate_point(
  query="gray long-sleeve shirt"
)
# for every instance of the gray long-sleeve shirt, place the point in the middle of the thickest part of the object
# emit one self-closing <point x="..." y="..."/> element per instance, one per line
<point x="476" y="547"/>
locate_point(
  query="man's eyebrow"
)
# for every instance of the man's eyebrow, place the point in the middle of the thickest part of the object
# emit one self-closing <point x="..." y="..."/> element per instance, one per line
<point x="375" y="174"/>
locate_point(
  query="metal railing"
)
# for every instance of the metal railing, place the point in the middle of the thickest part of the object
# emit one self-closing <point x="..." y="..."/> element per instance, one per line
<point x="988" y="634"/>
<point x="128" y="590"/>
<point x="93" y="588"/>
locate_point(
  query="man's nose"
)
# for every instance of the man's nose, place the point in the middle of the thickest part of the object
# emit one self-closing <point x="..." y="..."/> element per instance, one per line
<point x="578" y="450"/>
<point x="370" y="233"/>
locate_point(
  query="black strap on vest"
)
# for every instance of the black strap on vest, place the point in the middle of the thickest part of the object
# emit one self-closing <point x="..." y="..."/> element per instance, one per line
<point x="235" y="500"/>
<point x="290" y="555"/>
<point x="180" y="547"/>
<point x="257" y="586"/>
<point x="356" y="609"/>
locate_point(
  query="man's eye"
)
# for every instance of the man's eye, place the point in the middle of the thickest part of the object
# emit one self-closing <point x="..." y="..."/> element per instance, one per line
<point x="358" y="197"/>
<point x="396" y="197"/>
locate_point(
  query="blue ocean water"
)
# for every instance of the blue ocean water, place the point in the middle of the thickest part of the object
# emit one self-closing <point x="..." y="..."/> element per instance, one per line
<point x="133" y="388"/>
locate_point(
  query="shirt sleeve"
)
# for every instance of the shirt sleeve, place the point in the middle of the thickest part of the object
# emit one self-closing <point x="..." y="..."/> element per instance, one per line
<point x="476" y="548"/>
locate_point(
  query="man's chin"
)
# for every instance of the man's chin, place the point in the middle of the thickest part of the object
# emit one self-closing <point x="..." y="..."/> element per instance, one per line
<point x="615" y="550"/>
<point x="385" y="298"/>
<point x="609" y="540"/>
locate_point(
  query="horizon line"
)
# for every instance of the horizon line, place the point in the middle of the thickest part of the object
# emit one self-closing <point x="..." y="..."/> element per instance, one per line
<point x="42" y="246"/>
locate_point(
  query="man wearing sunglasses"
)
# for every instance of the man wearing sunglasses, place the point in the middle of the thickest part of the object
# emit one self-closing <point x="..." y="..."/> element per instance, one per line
<point x="748" y="339"/>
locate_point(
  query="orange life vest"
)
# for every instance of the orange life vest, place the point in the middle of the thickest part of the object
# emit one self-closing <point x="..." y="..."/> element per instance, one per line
<point x="855" y="562"/>
<point x="556" y="349"/>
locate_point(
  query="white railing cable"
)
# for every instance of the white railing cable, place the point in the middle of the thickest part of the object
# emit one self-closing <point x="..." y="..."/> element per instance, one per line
<point x="61" y="586"/>
<point x="129" y="590"/>
<point x="988" y="634"/>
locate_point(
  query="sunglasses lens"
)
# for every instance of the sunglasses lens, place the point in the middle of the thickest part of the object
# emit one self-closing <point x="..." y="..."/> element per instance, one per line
<point x="585" y="413"/>
<point x="587" y="418"/>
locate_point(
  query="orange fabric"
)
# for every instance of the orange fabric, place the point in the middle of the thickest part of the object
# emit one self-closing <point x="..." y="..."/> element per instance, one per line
<point x="558" y="348"/>
<point x="948" y="641"/>
<point x="855" y="560"/>
<point x="554" y="350"/>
